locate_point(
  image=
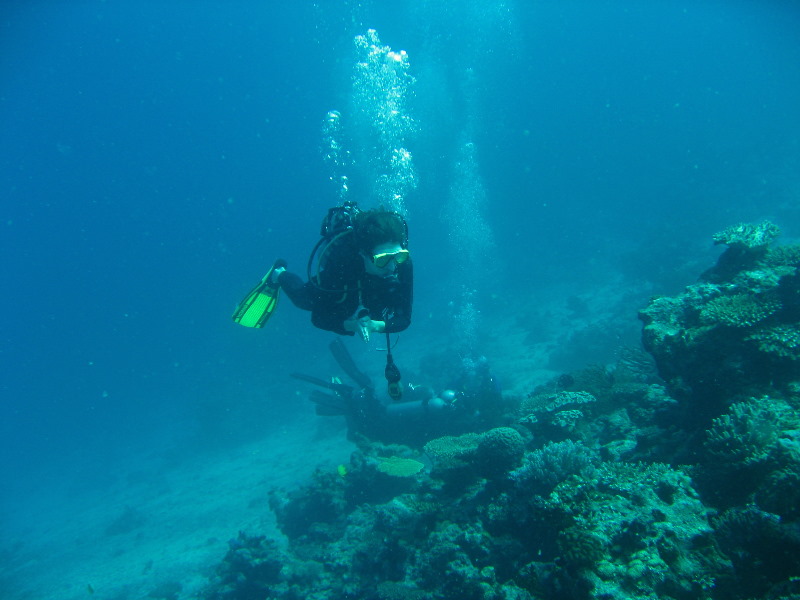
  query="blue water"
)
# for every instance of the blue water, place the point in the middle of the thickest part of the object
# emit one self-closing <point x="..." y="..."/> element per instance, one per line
<point x="156" y="157"/>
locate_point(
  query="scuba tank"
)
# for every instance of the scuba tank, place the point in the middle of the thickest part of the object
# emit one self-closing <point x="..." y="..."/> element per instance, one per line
<point x="337" y="224"/>
<point x="339" y="219"/>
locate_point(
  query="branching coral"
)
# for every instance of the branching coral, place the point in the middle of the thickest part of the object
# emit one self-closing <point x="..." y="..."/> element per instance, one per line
<point x="780" y="493"/>
<point x="741" y="310"/>
<point x="762" y="548"/>
<point x="779" y="256"/>
<point x="781" y="340"/>
<point x="545" y="468"/>
<point x="748" y="434"/>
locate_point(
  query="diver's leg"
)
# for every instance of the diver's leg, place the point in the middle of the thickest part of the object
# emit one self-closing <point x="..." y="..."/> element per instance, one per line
<point x="300" y="293"/>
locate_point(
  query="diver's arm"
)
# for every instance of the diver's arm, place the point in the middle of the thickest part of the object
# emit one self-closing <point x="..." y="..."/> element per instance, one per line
<point x="338" y="283"/>
<point x="327" y="317"/>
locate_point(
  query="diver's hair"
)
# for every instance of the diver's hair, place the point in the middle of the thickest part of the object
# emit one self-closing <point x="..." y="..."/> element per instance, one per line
<point x="379" y="226"/>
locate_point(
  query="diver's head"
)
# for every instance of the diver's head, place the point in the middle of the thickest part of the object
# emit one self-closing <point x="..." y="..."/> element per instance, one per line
<point x="382" y="239"/>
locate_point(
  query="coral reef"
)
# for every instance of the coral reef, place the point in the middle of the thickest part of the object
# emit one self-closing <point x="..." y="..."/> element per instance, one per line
<point x="676" y="477"/>
<point x="734" y="333"/>
<point x="251" y="568"/>
<point x="642" y="531"/>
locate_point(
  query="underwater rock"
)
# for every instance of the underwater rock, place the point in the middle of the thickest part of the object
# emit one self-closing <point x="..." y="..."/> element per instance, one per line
<point x="747" y="245"/>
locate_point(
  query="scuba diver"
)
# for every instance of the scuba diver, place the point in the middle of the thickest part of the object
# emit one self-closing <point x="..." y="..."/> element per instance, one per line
<point x="420" y="417"/>
<point x="364" y="279"/>
<point x="470" y="403"/>
<point x="360" y="280"/>
<point x="362" y="283"/>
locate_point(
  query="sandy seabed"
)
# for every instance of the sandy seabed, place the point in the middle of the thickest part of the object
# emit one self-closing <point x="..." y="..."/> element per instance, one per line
<point x="151" y="530"/>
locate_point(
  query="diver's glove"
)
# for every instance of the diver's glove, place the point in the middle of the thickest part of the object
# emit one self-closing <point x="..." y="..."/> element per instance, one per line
<point x="363" y="328"/>
<point x="362" y="325"/>
<point x="362" y="322"/>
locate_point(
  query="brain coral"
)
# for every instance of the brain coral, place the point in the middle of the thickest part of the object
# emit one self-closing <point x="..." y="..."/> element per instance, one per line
<point x="501" y="448"/>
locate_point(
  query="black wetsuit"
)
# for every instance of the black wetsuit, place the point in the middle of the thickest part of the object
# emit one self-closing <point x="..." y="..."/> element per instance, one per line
<point x="345" y="284"/>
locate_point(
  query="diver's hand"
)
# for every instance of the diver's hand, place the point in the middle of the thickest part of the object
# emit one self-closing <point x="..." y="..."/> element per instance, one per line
<point x="358" y="326"/>
<point x="364" y="326"/>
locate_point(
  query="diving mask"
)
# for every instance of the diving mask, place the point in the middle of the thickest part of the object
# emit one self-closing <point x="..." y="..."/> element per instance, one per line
<point x="382" y="260"/>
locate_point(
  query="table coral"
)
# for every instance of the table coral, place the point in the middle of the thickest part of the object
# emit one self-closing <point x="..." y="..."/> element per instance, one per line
<point x="399" y="467"/>
<point x="749" y="235"/>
